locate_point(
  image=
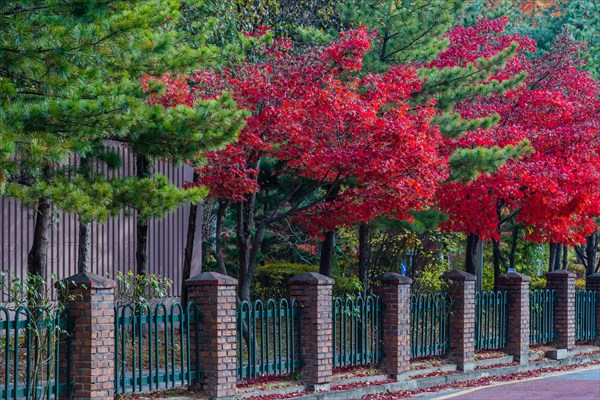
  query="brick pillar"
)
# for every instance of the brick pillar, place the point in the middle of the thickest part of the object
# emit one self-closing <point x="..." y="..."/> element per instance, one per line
<point x="563" y="283"/>
<point x="517" y="286"/>
<point x="462" y="321"/>
<point x="215" y="297"/>
<point x="592" y="282"/>
<point x="395" y="295"/>
<point x="92" y="336"/>
<point x="314" y="293"/>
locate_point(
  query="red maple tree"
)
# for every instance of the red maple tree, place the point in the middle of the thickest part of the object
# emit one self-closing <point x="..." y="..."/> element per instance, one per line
<point x="341" y="147"/>
<point x="550" y="193"/>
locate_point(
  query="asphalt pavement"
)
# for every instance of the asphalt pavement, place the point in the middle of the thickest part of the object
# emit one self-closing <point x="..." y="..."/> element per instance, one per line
<point x="573" y="385"/>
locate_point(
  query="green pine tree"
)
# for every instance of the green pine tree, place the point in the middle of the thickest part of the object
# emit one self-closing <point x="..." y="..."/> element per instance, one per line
<point x="70" y="87"/>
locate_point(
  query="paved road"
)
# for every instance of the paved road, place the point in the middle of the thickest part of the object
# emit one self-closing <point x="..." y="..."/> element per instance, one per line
<point x="576" y="385"/>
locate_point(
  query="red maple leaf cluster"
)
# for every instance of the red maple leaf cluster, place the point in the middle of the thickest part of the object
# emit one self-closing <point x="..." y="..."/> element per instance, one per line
<point x="553" y="191"/>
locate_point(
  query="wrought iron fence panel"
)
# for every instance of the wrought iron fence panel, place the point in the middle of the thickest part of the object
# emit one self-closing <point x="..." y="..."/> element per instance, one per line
<point x="429" y="317"/>
<point x="268" y="338"/>
<point x="542" y="316"/>
<point x="153" y="347"/>
<point x="31" y="344"/>
<point x="491" y="320"/>
<point x="357" y="330"/>
<point x="586" y="315"/>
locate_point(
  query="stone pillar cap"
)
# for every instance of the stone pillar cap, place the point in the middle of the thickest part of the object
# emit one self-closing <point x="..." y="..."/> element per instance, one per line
<point x="394" y="278"/>
<point x="211" y="279"/>
<point x="90" y="281"/>
<point x="457" y="275"/>
<point x="593" y="277"/>
<point x="311" y="278"/>
<point x="560" y="273"/>
<point x="514" y="277"/>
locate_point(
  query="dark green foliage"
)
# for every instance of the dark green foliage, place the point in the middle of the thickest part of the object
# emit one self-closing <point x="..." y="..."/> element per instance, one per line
<point x="271" y="280"/>
<point x="70" y="89"/>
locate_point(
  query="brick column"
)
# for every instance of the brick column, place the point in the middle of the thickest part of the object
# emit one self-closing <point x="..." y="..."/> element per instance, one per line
<point x="462" y="321"/>
<point x="215" y="297"/>
<point x="92" y="336"/>
<point x="395" y="295"/>
<point x="517" y="286"/>
<point x="563" y="283"/>
<point x="592" y="282"/>
<point x="314" y="293"/>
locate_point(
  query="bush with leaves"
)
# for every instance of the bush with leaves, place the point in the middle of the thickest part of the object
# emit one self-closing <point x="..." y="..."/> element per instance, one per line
<point x="140" y="290"/>
<point x="46" y="318"/>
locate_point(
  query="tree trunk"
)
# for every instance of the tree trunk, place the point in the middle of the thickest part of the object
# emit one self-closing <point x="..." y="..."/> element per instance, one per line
<point x="590" y="252"/>
<point x="37" y="258"/>
<point x="555" y="256"/>
<point x="219" y="236"/>
<point x="327" y="247"/>
<point x="83" y="251"/>
<point x="499" y="262"/>
<point x="189" y="251"/>
<point x="143" y="170"/>
<point x="84" y="243"/>
<point x="513" y="246"/>
<point x="245" y="221"/>
<point x="565" y="256"/>
<point x="363" y="254"/>
<point x="552" y="251"/>
<point x="473" y="259"/>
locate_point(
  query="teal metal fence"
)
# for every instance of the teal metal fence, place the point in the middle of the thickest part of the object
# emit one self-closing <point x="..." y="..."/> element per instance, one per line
<point x="268" y="338"/>
<point x="153" y="347"/>
<point x="357" y="330"/>
<point x="586" y="315"/>
<point x="491" y="316"/>
<point x="542" y="316"/>
<point x="31" y="343"/>
<point x="429" y="316"/>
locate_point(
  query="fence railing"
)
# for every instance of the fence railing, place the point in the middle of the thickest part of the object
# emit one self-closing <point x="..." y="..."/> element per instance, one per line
<point x="542" y="316"/>
<point x="586" y="315"/>
<point x="357" y="330"/>
<point x="153" y="347"/>
<point x="30" y="354"/>
<point x="491" y="320"/>
<point x="268" y="338"/>
<point x="429" y="313"/>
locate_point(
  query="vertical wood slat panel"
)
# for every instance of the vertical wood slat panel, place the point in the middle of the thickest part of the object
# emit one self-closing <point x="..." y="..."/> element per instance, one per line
<point x="113" y="243"/>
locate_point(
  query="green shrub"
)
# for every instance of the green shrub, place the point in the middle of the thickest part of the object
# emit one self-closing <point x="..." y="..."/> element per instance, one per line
<point x="271" y="280"/>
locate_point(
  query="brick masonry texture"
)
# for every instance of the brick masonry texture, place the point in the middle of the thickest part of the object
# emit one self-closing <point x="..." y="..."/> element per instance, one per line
<point x="462" y="322"/>
<point x="215" y="296"/>
<point x="92" y="337"/>
<point x="394" y="291"/>
<point x="517" y="286"/>
<point x="563" y="283"/>
<point x="314" y="293"/>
